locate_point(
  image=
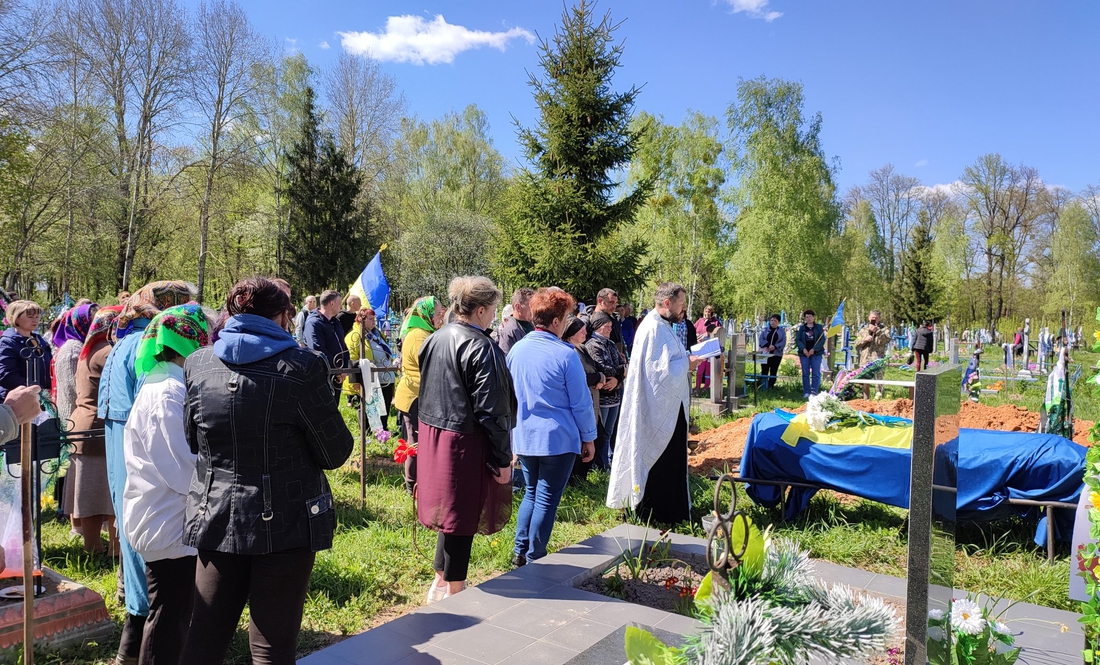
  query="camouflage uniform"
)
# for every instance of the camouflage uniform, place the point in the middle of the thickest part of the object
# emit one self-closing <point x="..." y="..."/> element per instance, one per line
<point x="874" y="349"/>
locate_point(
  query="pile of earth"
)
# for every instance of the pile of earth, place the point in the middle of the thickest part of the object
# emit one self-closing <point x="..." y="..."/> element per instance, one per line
<point x="723" y="447"/>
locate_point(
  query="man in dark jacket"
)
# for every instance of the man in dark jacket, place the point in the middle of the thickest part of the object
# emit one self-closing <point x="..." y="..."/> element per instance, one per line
<point x="519" y="324"/>
<point x="324" y="334"/>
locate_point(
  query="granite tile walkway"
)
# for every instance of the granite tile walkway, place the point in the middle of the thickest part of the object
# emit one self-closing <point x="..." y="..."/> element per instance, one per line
<point x="535" y="615"/>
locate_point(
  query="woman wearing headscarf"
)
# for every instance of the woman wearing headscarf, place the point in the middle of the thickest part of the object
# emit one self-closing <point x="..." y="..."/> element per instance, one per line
<point x="262" y="418"/>
<point x="467" y="410"/>
<point x="159" y="468"/>
<point x="23" y="317"/>
<point x="423" y="318"/>
<point x="576" y="333"/>
<point x="364" y="332"/>
<point x="69" y="340"/>
<point x="91" y="506"/>
<point x="117" y="389"/>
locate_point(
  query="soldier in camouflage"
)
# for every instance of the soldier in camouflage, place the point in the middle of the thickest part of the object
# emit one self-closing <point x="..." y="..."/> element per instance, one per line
<point x="871" y="342"/>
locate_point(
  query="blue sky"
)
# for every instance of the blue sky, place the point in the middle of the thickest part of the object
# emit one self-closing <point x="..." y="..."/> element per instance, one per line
<point x="928" y="86"/>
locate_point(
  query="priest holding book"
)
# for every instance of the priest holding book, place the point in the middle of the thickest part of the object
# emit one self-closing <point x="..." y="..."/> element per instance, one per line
<point x="649" y="472"/>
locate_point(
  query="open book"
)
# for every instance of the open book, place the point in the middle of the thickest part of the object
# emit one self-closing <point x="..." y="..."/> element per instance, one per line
<point x="708" y="349"/>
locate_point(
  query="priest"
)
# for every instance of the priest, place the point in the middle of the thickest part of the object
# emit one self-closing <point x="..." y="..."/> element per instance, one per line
<point x="649" y="472"/>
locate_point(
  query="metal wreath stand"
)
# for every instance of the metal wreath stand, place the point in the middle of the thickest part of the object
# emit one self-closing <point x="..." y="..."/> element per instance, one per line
<point x="722" y="557"/>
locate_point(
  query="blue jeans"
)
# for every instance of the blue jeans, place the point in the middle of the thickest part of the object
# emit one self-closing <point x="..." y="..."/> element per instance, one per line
<point x="133" y="566"/>
<point x="546" y="478"/>
<point x="609" y="417"/>
<point x="811" y="374"/>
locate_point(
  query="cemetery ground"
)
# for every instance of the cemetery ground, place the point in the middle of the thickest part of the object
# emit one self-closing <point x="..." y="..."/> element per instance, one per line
<point x="381" y="562"/>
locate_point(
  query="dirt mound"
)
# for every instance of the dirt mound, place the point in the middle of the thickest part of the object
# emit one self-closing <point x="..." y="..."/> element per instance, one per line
<point x="725" y="445"/>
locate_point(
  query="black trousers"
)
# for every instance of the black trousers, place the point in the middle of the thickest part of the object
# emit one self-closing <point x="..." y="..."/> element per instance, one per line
<point x="452" y="556"/>
<point x="666" y="499"/>
<point x="171" y="595"/>
<point x="921" y="358"/>
<point x="770" y="370"/>
<point x="274" y="586"/>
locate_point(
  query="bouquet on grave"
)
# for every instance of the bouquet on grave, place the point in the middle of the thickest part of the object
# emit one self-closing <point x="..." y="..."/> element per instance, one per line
<point x="825" y="411"/>
<point x="973" y="386"/>
<point x="969" y="635"/>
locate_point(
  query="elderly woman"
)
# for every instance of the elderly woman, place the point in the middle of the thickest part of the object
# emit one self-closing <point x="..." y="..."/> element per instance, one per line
<point x="91" y="496"/>
<point x="20" y="344"/>
<point x="68" y="339"/>
<point x="555" y="422"/>
<point x="423" y="318"/>
<point x="262" y="418"/>
<point x="576" y="333"/>
<point x="467" y="411"/>
<point x="364" y="334"/>
<point x="613" y="366"/>
<point x="118" y="387"/>
<point x="159" y="469"/>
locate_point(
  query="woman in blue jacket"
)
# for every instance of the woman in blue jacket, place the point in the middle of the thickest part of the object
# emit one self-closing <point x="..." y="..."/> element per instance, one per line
<point x="23" y="317"/>
<point x="555" y="421"/>
<point x="810" y="342"/>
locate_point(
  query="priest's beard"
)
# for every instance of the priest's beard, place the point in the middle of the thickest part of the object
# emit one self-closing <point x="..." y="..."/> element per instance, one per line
<point x="673" y="319"/>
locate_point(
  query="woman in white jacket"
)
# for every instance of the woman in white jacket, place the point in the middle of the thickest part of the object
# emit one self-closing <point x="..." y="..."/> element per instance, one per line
<point x="159" y="468"/>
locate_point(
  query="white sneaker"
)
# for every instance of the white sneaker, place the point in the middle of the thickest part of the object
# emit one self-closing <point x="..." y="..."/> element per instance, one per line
<point x="435" y="594"/>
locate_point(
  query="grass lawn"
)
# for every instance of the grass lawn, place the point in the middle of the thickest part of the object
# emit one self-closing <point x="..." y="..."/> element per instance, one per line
<point x="381" y="563"/>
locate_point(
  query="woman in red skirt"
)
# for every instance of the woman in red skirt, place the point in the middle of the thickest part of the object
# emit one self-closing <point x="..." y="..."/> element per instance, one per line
<point x="467" y="408"/>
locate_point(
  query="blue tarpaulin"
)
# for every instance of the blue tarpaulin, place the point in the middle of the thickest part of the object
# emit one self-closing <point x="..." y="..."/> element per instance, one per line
<point x="990" y="467"/>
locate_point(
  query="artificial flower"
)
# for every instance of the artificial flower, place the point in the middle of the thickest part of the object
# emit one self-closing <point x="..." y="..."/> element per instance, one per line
<point x="935" y="615"/>
<point x="966" y="617"/>
<point x="935" y="633"/>
<point x="1000" y="628"/>
<point x="1095" y="499"/>
<point x="403" y="451"/>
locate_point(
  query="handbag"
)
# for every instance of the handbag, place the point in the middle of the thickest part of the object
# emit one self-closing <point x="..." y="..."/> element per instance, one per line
<point x="373" y="402"/>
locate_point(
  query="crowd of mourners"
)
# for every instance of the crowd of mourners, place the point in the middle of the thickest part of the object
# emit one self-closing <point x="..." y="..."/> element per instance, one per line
<point x="204" y="435"/>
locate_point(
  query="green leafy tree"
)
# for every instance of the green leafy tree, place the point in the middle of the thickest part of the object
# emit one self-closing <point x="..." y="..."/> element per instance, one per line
<point x="327" y="244"/>
<point x="682" y="219"/>
<point x="1073" y="283"/>
<point x="917" y="292"/>
<point x="785" y="201"/>
<point x="862" y="247"/>
<point x="564" y="224"/>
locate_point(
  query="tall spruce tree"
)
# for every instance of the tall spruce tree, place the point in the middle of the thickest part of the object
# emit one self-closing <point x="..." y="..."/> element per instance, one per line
<point x="327" y="244"/>
<point x="562" y="225"/>
<point x="917" y="293"/>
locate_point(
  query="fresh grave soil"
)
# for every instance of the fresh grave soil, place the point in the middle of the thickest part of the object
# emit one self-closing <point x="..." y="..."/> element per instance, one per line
<point x="661" y="587"/>
<point x="724" y="446"/>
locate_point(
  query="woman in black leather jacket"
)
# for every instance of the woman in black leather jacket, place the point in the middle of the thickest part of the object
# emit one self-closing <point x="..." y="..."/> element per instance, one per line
<point x="261" y="416"/>
<point x="467" y="409"/>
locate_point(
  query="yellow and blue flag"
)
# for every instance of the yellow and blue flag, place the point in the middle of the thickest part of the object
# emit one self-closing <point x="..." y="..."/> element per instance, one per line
<point x="372" y="287"/>
<point x="837" y="324"/>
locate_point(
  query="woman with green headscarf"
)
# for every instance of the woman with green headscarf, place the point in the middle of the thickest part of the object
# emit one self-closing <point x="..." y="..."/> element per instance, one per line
<point x="159" y="468"/>
<point x="422" y="319"/>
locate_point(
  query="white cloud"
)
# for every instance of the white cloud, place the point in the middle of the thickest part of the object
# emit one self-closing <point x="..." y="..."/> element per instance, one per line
<point x="920" y="163"/>
<point x="413" y="39"/>
<point x="754" y="8"/>
<point x="324" y="45"/>
<point x="948" y="188"/>
<point x="291" y="44"/>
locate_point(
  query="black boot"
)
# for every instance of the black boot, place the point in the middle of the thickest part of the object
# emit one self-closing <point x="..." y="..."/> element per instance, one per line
<point x="120" y="588"/>
<point x="129" y="646"/>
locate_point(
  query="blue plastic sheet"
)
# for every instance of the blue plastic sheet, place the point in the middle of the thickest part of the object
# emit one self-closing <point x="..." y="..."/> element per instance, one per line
<point x="991" y="467"/>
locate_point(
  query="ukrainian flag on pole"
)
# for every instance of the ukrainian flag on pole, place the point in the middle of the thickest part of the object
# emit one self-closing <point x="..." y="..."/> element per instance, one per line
<point x="837" y="324"/>
<point x="372" y="287"/>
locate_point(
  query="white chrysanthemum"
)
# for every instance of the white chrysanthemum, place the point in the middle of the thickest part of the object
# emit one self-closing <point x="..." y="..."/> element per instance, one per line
<point x="1001" y="628"/>
<point x="935" y="615"/>
<point x="966" y="617"/>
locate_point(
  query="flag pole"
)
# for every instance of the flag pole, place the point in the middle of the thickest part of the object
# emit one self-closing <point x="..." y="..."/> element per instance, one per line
<point x="362" y="421"/>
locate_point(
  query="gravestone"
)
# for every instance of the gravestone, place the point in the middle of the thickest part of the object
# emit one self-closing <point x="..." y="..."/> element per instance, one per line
<point x="932" y="497"/>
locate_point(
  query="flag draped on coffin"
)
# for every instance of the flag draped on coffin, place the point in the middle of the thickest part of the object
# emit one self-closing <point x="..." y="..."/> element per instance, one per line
<point x="372" y="287"/>
<point x="837" y="324"/>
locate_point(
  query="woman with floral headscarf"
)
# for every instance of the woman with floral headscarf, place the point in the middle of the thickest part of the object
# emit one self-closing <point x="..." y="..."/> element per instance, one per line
<point x="91" y="496"/>
<point x="116" y="397"/>
<point x="159" y="468"/>
<point x="68" y="339"/>
<point x="423" y="318"/>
